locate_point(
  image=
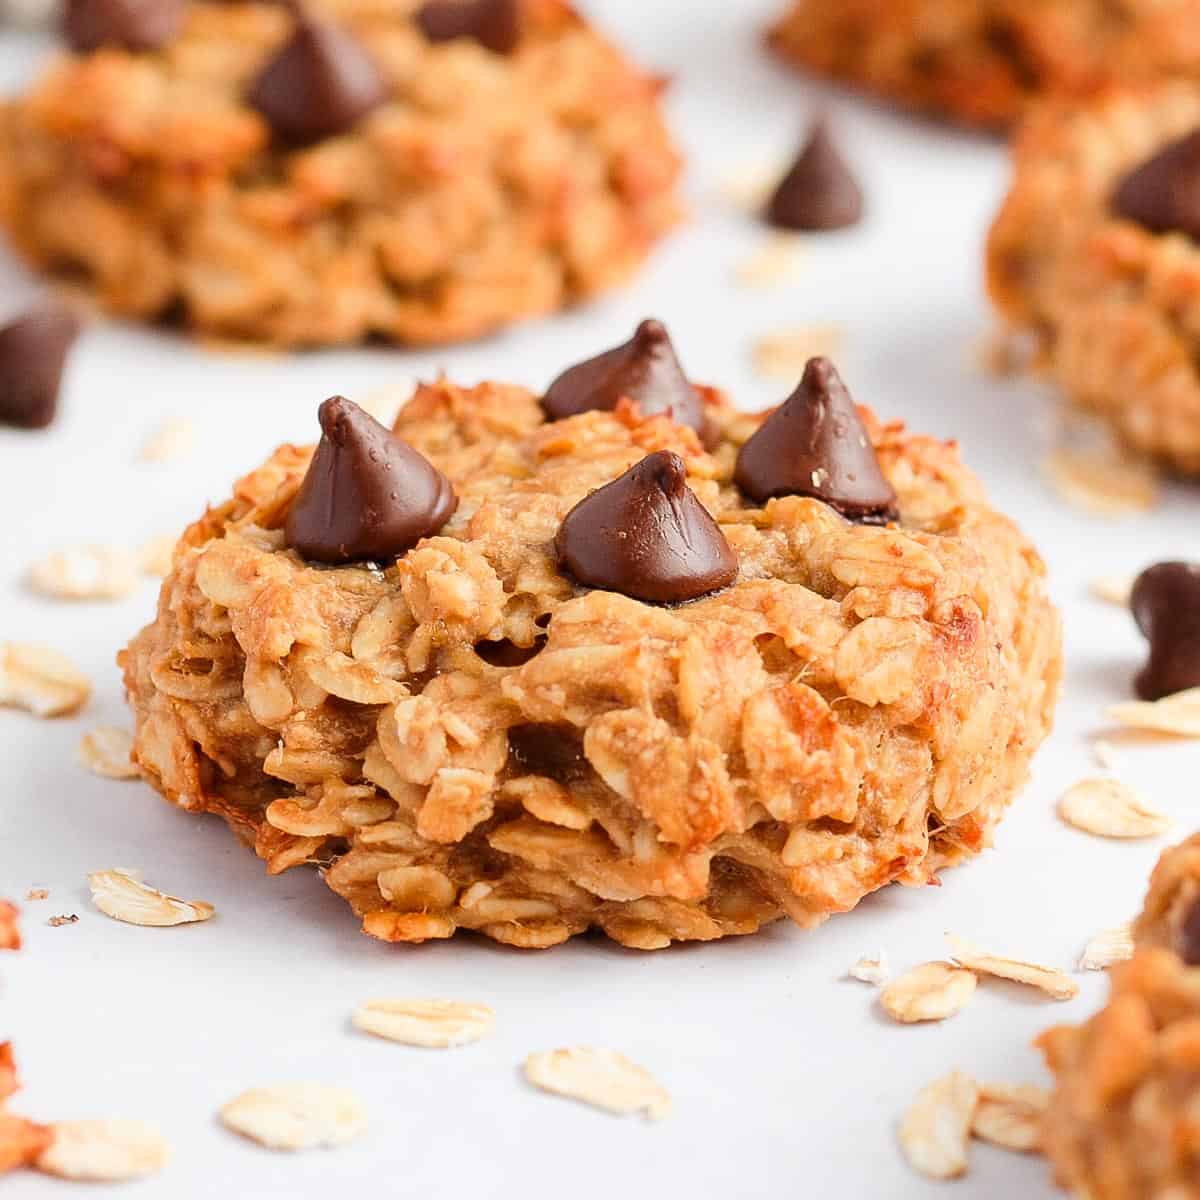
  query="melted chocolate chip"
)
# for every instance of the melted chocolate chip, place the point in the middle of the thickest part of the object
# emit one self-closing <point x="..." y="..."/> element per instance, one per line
<point x="132" y="24"/>
<point x="1166" y="606"/>
<point x="320" y="84"/>
<point x="33" y="351"/>
<point x="815" y="444"/>
<point x="553" y="750"/>
<point x="647" y="536"/>
<point x="645" y="369"/>
<point x="1188" y="941"/>
<point x="368" y="495"/>
<point x="495" y="24"/>
<point x="1163" y="193"/>
<point x="818" y="192"/>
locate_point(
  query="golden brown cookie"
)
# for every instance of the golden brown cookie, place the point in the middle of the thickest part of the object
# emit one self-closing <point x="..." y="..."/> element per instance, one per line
<point x="982" y="61"/>
<point x="1112" y="302"/>
<point x="1122" y="1121"/>
<point x="469" y="738"/>
<point x="487" y="186"/>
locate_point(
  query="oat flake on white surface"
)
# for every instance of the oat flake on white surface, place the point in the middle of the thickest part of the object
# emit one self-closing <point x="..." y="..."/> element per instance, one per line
<point x="1177" y="714"/>
<point x="174" y="439"/>
<point x="932" y="991"/>
<point x="1104" y="485"/>
<point x="784" y="353"/>
<point x="1106" y="948"/>
<point x="1112" y="589"/>
<point x="1055" y="983"/>
<point x="872" y="969"/>
<point x="1110" y="809"/>
<point x="119" y="893"/>
<point x="432" y="1023"/>
<point x="1010" y="1115"/>
<point x="41" y="680"/>
<point x="106" y="750"/>
<point x="104" y="1151"/>
<point x="935" y="1130"/>
<point x="85" y="573"/>
<point x="296" y="1116"/>
<point x="601" y="1078"/>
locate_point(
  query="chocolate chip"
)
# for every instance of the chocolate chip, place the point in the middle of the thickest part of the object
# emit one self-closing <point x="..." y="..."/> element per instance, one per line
<point x="368" y="495"/>
<point x="495" y="24"/>
<point x="320" y="84"/>
<point x="815" y="444"/>
<point x="33" y="351"/>
<point x="1165" y="602"/>
<point x="818" y="192"/>
<point x="132" y="24"/>
<point x="647" y="536"/>
<point x="1163" y="193"/>
<point x="645" y="369"/>
<point x="1188" y="941"/>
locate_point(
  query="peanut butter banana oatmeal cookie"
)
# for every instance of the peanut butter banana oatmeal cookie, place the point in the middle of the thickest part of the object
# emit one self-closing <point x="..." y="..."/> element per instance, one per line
<point x="656" y="667"/>
<point x="982" y="61"/>
<point x="425" y="173"/>
<point x="1122" y="1121"/>
<point x="1096" y="252"/>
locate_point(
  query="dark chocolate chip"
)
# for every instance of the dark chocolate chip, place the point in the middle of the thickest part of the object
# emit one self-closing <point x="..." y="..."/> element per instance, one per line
<point x="647" y="536"/>
<point x="1188" y="941"/>
<point x="368" y="495"/>
<point x="818" y="192"/>
<point x="132" y="24"/>
<point x="552" y="750"/>
<point x="319" y="84"/>
<point x="645" y="369"/>
<point x="815" y="444"/>
<point x="495" y="24"/>
<point x="1165" y="602"/>
<point x="33" y="351"/>
<point x="1162" y="194"/>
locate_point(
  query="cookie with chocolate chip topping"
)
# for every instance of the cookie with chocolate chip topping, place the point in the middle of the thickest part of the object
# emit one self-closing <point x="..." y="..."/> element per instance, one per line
<point x="612" y="690"/>
<point x="318" y="173"/>
<point x="1094" y="260"/>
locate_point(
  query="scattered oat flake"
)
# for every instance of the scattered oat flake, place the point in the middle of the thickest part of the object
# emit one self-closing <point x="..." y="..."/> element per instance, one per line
<point x="40" y="680"/>
<point x="64" y="919"/>
<point x="37" y="894"/>
<point x="434" y="1023"/>
<point x="85" y="573"/>
<point x="1105" y="754"/>
<point x="1112" y="589"/>
<point x="1177" y="714"/>
<point x="1103" y="484"/>
<point x="103" y="1151"/>
<point x="156" y="556"/>
<point x="602" y="1078"/>
<point x="935" y="1129"/>
<point x="1054" y="983"/>
<point x="174" y="439"/>
<point x="296" y="1116"/>
<point x="106" y="750"/>
<point x="10" y="926"/>
<point x="1106" y="948"/>
<point x="749" y="186"/>
<point x="784" y="354"/>
<point x="120" y="894"/>
<point x="775" y="261"/>
<point x="1010" y="1116"/>
<point x="870" y="970"/>
<point x="1109" y="808"/>
<point x="931" y="992"/>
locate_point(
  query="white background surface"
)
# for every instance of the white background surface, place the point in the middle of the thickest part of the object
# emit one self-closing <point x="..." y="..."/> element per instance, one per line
<point x="787" y="1079"/>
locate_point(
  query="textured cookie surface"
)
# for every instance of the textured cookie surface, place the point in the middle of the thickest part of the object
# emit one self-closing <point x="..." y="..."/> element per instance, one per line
<point x="1122" y="1122"/>
<point x="486" y="188"/>
<point x="1113" y="304"/>
<point x="982" y="61"/>
<point x="467" y="739"/>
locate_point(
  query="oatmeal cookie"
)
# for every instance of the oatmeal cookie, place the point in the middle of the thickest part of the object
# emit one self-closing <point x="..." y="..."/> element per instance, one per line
<point x="1121" y="1124"/>
<point x="463" y="734"/>
<point x="376" y="171"/>
<point x="1091" y="256"/>
<point x="981" y="61"/>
